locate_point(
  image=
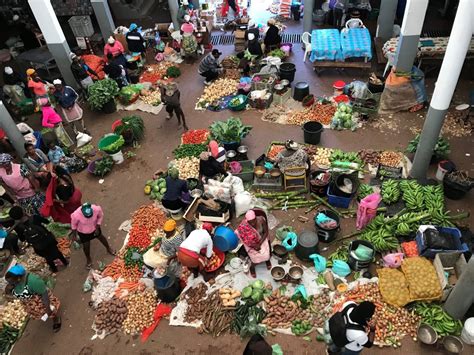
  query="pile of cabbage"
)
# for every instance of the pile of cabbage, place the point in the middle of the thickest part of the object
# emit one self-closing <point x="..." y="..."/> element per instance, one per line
<point x="343" y="118"/>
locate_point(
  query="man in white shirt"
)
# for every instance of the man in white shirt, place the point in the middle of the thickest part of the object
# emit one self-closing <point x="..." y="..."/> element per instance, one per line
<point x="189" y="252"/>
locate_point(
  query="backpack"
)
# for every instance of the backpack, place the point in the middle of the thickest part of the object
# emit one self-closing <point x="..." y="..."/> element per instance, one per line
<point x="339" y="324"/>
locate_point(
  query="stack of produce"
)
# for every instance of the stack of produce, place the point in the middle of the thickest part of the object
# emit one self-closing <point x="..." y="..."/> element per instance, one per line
<point x="8" y="336"/>
<point x="114" y="269"/>
<point x="422" y="279"/>
<point x="138" y="237"/>
<point x="391" y="323"/>
<point x="189" y="150"/>
<point x="230" y="62"/>
<point x="14" y="314"/>
<point x="151" y="97"/>
<point x="274" y="150"/>
<point x="322" y="113"/>
<point x="343" y="118"/>
<point x="217" y="90"/>
<point x="150" y="217"/>
<point x="255" y="291"/>
<point x="195" y="136"/>
<point x="390" y="191"/>
<point x="289" y="200"/>
<point x="229" y="296"/>
<point x="247" y="319"/>
<point x="188" y="167"/>
<point x="216" y="319"/>
<point x="393" y="287"/>
<point x="213" y="263"/>
<point x="155" y="72"/>
<point x="321" y="157"/>
<point x="141" y="307"/>
<point x="320" y="307"/>
<point x="412" y="195"/>
<point x="155" y="189"/>
<point x="434" y="315"/>
<point x="103" y="290"/>
<point x="391" y="159"/>
<point x="441" y="149"/>
<point x="351" y="157"/>
<point x="364" y="191"/>
<point x="369" y="156"/>
<point x="110" y="316"/>
<point x="197" y="302"/>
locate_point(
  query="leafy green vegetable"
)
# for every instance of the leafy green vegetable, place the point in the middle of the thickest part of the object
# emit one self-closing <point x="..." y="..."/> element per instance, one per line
<point x="232" y="130"/>
<point x="102" y="92"/>
<point x="114" y="147"/>
<point x="441" y="150"/>
<point x="173" y="72"/>
<point x="277" y="53"/>
<point x="58" y="229"/>
<point x="132" y="125"/>
<point x="103" y="166"/>
<point x="189" y="150"/>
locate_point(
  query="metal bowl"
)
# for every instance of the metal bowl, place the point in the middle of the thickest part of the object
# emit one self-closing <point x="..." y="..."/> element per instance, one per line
<point x="278" y="273"/>
<point x="231" y="154"/>
<point x="275" y="172"/>
<point x="259" y="171"/>
<point x="243" y="149"/>
<point x="279" y="87"/>
<point x="453" y="344"/>
<point x="427" y="334"/>
<point x="196" y="193"/>
<point x="296" y="272"/>
<point x="285" y="82"/>
<point x="279" y="250"/>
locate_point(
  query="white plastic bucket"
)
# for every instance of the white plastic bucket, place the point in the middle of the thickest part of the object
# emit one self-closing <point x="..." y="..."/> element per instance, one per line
<point x="467" y="334"/>
<point x="117" y="157"/>
<point x="441" y="171"/>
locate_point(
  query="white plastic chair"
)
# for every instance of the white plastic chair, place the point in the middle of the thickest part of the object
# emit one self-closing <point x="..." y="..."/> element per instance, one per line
<point x="306" y="39"/>
<point x="354" y="23"/>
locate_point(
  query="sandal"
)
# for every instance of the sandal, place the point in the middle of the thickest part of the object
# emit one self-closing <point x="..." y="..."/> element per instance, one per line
<point x="112" y="252"/>
<point x="89" y="266"/>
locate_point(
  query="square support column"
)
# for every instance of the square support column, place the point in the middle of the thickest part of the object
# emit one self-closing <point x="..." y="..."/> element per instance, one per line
<point x="104" y="17"/>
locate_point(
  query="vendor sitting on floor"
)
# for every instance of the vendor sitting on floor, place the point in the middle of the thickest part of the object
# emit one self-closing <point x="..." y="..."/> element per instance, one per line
<point x="163" y="254"/>
<point x="292" y="157"/>
<point x="175" y="188"/>
<point x="253" y="232"/>
<point x="209" y="167"/>
<point x="189" y="253"/>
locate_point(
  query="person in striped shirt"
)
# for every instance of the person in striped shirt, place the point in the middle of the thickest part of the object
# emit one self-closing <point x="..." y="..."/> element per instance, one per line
<point x="210" y="67"/>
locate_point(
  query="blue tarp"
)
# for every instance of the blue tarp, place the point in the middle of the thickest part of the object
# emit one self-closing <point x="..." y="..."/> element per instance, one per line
<point x="325" y="45"/>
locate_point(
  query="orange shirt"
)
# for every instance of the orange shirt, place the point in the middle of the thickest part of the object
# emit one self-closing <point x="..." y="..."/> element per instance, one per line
<point x="38" y="87"/>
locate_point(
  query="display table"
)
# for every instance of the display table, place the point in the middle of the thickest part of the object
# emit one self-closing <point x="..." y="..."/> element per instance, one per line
<point x="326" y="45"/>
<point x="39" y="58"/>
<point x="356" y="43"/>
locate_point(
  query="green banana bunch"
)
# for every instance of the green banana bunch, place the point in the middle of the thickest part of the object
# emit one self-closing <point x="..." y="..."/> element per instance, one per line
<point x="365" y="190"/>
<point x="341" y="253"/>
<point x="390" y="191"/>
<point x="382" y="239"/>
<point x="438" y="319"/>
<point x="339" y="155"/>
<point x="412" y="195"/>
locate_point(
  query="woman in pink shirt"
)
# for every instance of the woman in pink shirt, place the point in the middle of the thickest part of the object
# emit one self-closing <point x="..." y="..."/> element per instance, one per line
<point x="20" y="184"/>
<point x="115" y="48"/>
<point x="85" y="224"/>
<point x="51" y="119"/>
<point x="189" y="42"/>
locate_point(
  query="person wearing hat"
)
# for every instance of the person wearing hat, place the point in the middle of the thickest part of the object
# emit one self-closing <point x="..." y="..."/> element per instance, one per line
<point x="253" y="232"/>
<point x="135" y="41"/>
<point x="209" y="67"/>
<point x="293" y="156"/>
<point x="86" y="224"/>
<point x="20" y="184"/>
<point x="32" y="290"/>
<point x="175" y="189"/>
<point x="14" y="88"/>
<point x="189" y="43"/>
<point x="184" y="10"/>
<point x="38" y="87"/>
<point x="12" y="77"/>
<point x="253" y="45"/>
<point x="195" y="250"/>
<point x="272" y="38"/>
<point x="67" y="98"/>
<point x="163" y="254"/>
<point x="31" y="229"/>
<point x="209" y="167"/>
<point x="252" y="28"/>
<point x="170" y="96"/>
<point x="82" y="72"/>
<point x="113" y="47"/>
<point x="217" y="152"/>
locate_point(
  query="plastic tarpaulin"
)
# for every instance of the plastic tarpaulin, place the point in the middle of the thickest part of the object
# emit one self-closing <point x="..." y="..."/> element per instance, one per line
<point x="356" y="43"/>
<point x="326" y="45"/>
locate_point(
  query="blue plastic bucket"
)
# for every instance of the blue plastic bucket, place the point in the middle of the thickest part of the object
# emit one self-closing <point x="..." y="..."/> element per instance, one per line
<point x="225" y="239"/>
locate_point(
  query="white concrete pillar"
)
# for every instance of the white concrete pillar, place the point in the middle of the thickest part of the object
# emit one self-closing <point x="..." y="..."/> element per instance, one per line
<point x="173" y="5"/>
<point x="458" y="45"/>
<point x="104" y="17"/>
<point x="54" y="37"/>
<point x="412" y="25"/>
<point x="308" y="16"/>
<point x="386" y="19"/>
<point x="11" y="130"/>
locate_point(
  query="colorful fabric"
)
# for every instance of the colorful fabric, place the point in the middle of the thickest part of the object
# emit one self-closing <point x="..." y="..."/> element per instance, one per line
<point x="189" y="258"/>
<point x="187" y="27"/>
<point x="60" y="212"/>
<point x="38" y="87"/>
<point x="248" y="234"/>
<point x="115" y="49"/>
<point x="50" y="117"/>
<point x="326" y="45"/>
<point x="170" y="246"/>
<point x="36" y="164"/>
<point x="32" y="205"/>
<point x="189" y="44"/>
<point x="259" y="256"/>
<point x="86" y="225"/>
<point x="17" y="181"/>
<point x="356" y="43"/>
<point x="33" y="285"/>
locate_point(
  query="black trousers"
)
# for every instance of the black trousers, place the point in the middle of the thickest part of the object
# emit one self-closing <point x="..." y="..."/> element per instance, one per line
<point x="51" y="254"/>
<point x="210" y="75"/>
<point x="177" y="110"/>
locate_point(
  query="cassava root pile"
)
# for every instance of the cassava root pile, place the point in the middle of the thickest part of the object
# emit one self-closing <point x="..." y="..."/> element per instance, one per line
<point x="110" y="315"/>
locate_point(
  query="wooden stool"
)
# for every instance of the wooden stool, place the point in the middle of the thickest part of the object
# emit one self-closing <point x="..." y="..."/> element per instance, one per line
<point x="295" y="179"/>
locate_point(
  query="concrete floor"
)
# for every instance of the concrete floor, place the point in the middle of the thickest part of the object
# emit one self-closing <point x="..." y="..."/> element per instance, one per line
<point x="122" y="193"/>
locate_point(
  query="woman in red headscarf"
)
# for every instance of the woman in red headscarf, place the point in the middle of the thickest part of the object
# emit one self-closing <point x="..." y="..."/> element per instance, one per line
<point x="253" y="232"/>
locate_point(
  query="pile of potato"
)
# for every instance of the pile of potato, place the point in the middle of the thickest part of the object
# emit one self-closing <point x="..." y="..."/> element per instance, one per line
<point x="389" y="158"/>
<point x="393" y="287"/>
<point x="14" y="314"/>
<point x="229" y="296"/>
<point x="110" y="315"/>
<point x="151" y="98"/>
<point x="141" y="308"/>
<point x="188" y="167"/>
<point x="321" y="307"/>
<point x="219" y="88"/>
<point x="422" y="279"/>
<point x="282" y="311"/>
<point x="321" y="157"/>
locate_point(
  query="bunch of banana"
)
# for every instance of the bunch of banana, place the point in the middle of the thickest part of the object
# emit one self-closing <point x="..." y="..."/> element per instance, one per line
<point x="434" y="197"/>
<point x="339" y="155"/>
<point x="382" y="239"/>
<point x="412" y="195"/>
<point x="390" y="191"/>
<point x="376" y="223"/>
<point x="364" y="191"/>
<point x="438" y="319"/>
<point x="341" y="253"/>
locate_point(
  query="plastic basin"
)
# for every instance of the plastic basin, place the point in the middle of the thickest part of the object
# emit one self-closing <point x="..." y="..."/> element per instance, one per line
<point x="225" y="239"/>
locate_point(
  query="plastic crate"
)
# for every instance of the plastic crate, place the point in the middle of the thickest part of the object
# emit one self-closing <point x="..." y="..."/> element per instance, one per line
<point x="260" y="104"/>
<point x="247" y="166"/>
<point x="81" y="26"/>
<point x="270" y="81"/>
<point x="431" y="253"/>
<point x="338" y="201"/>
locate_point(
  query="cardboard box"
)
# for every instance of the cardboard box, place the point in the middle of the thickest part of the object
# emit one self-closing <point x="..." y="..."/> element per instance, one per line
<point x="239" y="34"/>
<point x="453" y="263"/>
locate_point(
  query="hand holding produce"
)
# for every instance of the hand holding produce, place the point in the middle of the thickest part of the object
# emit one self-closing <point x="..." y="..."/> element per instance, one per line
<point x="213" y="262"/>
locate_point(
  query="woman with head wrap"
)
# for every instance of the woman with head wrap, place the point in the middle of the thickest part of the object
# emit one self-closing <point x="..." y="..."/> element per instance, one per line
<point x="253" y="232"/>
<point x="253" y="45"/>
<point x="175" y="188"/>
<point x="272" y="37"/>
<point x="20" y="184"/>
<point x="189" y="43"/>
<point x="82" y="72"/>
<point x="292" y="157"/>
<point x="38" y="163"/>
<point x="209" y="167"/>
<point x="170" y="96"/>
<point x="34" y="294"/>
<point x="13" y="78"/>
<point x="357" y="321"/>
<point x="135" y="41"/>
<point x="38" y="87"/>
<point x="67" y="99"/>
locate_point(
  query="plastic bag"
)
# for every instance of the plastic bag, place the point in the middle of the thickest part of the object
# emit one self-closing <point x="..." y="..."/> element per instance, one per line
<point x="319" y="262"/>
<point x="300" y="289"/>
<point x="367" y="210"/>
<point x="341" y="268"/>
<point x="82" y="139"/>
<point x="290" y="241"/>
<point x="393" y="260"/>
<point x="283" y="231"/>
<point x="243" y="203"/>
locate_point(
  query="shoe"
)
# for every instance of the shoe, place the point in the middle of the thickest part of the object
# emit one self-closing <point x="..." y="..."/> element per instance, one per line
<point x="207" y="83"/>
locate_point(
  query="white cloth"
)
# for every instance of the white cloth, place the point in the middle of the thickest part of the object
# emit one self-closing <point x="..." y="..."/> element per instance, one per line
<point x="357" y="338"/>
<point x="197" y="240"/>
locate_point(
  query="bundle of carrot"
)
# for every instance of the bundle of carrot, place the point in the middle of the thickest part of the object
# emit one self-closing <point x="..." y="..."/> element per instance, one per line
<point x="139" y="237"/>
<point x="64" y="246"/>
<point x="149" y="217"/>
<point x="114" y="269"/>
<point x="124" y="288"/>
